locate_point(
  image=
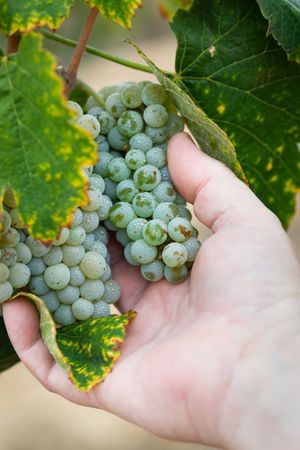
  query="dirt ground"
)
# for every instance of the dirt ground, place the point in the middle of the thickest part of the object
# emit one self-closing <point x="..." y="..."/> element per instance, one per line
<point x="33" y="419"/>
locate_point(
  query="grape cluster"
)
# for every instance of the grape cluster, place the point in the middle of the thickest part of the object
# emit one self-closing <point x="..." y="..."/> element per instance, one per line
<point x="130" y="193"/>
<point x="150" y="218"/>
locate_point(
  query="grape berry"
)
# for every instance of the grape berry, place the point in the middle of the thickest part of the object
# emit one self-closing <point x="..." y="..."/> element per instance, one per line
<point x="130" y="193"/>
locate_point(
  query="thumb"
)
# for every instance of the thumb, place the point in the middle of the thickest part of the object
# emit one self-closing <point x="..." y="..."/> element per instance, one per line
<point x="218" y="196"/>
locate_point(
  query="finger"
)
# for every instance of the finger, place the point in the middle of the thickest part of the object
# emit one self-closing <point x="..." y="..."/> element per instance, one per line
<point x="22" y="324"/>
<point x="213" y="189"/>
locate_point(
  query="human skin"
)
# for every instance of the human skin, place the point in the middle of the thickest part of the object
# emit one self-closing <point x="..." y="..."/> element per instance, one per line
<point x="216" y="359"/>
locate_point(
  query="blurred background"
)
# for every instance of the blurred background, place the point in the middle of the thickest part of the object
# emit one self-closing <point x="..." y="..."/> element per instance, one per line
<point x="32" y="418"/>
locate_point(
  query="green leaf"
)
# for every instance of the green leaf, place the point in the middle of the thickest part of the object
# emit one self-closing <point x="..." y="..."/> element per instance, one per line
<point x="284" y="23"/>
<point x="212" y="139"/>
<point x="91" y="347"/>
<point x="88" y="350"/>
<point x="121" y="11"/>
<point x="244" y="82"/>
<point x="168" y="8"/>
<point x="8" y="356"/>
<point x="42" y="152"/>
<point x="16" y="15"/>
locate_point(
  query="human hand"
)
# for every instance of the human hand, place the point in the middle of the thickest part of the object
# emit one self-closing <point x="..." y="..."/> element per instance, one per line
<point x="212" y="359"/>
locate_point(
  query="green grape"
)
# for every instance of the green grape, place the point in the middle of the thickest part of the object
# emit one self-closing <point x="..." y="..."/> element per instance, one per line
<point x="103" y="145"/>
<point x="109" y="225"/>
<point x="175" y="124"/>
<point x="77" y="277"/>
<point x="180" y="229"/>
<point x="19" y="275"/>
<point x="165" y="192"/>
<point x="93" y="265"/>
<point x="179" y="199"/>
<point x="130" y="123"/>
<point x="6" y="291"/>
<point x="128" y="255"/>
<point x="77" y="219"/>
<point x="107" y="274"/>
<point x="106" y="121"/>
<point x="24" y="254"/>
<point x="92" y="290"/>
<point x="64" y="316"/>
<point x="122" y="237"/>
<point x="101" y="234"/>
<point x="144" y="204"/>
<point x="15" y="219"/>
<point x="135" y="228"/>
<point x="174" y="255"/>
<point x="68" y="295"/>
<point x="10" y="239"/>
<point x="101" y="168"/>
<point x="95" y="110"/>
<point x="106" y="91"/>
<point x="112" y="292"/>
<point x="176" y="276"/>
<point x="90" y="221"/>
<point x="155" y="116"/>
<point x="96" y="182"/>
<point x="192" y="246"/>
<point x="37" y="266"/>
<point x="57" y="277"/>
<point x="37" y="248"/>
<point x="72" y="254"/>
<point x="121" y="214"/>
<point x="89" y="241"/>
<point x="103" y="211"/>
<point x="101" y="309"/>
<point x="51" y="301"/>
<point x="153" y="93"/>
<point x="147" y="177"/>
<point x="9" y="256"/>
<point x="141" y="142"/>
<point x="157" y="135"/>
<point x="54" y="256"/>
<point x="100" y="248"/>
<point x="38" y="286"/>
<point x="156" y="156"/>
<point x="110" y="188"/>
<point x="118" y="170"/>
<point x="114" y="105"/>
<point x="90" y="124"/>
<point x="132" y="96"/>
<point x="82" y="309"/>
<point x="94" y="200"/>
<point x="166" y="211"/>
<point x="142" y="252"/>
<point x="165" y="174"/>
<point x="127" y="190"/>
<point x="4" y="272"/>
<point x="155" y="232"/>
<point x="153" y="271"/>
<point x="76" y="237"/>
<point x="117" y="140"/>
<point x="135" y="158"/>
<point x="76" y="108"/>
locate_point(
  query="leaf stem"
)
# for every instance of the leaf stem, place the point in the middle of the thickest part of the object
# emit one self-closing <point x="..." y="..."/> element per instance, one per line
<point x="86" y="88"/>
<point x="96" y="52"/>
<point x="79" y="50"/>
<point x="13" y="42"/>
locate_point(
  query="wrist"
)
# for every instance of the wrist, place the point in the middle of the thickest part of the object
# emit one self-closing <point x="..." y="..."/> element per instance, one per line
<point x="262" y="405"/>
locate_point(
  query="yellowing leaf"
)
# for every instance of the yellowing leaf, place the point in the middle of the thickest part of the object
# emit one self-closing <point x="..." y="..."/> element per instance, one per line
<point x="121" y="11"/>
<point x="212" y="139"/>
<point x="24" y="15"/>
<point x="42" y="152"/>
<point x="168" y="8"/>
<point x="87" y="350"/>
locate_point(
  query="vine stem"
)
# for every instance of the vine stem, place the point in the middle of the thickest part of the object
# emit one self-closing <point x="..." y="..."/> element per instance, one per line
<point x="96" y="52"/>
<point x="13" y="42"/>
<point x="79" y="50"/>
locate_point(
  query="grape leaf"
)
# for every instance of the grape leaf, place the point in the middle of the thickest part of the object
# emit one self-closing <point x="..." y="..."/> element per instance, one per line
<point x="168" y="8"/>
<point x="8" y="356"/>
<point x="87" y="350"/>
<point x="212" y="139"/>
<point x="244" y="82"/>
<point x="121" y="11"/>
<point x="284" y="23"/>
<point x="42" y="152"/>
<point x="16" y="15"/>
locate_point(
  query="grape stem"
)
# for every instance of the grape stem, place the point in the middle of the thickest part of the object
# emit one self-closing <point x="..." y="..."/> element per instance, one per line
<point x="96" y="52"/>
<point x="13" y="42"/>
<point x="79" y="50"/>
<point x="90" y="91"/>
